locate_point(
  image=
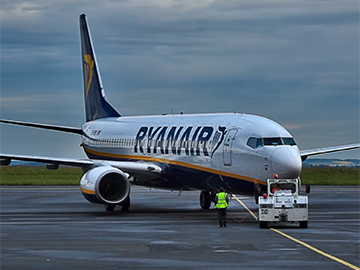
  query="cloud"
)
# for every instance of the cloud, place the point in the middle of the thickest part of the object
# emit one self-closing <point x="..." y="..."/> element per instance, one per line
<point x="295" y="62"/>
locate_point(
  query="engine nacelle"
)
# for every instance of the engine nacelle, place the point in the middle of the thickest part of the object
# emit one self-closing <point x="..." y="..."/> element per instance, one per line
<point x="105" y="185"/>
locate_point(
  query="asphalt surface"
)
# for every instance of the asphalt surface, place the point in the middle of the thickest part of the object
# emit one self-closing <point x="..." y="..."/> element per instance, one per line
<point x="55" y="228"/>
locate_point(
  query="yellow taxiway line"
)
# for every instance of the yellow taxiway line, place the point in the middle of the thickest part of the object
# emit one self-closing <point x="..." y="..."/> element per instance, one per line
<point x="301" y="242"/>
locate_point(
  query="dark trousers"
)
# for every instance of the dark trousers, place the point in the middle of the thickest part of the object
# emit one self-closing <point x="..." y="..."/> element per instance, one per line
<point x="222" y="216"/>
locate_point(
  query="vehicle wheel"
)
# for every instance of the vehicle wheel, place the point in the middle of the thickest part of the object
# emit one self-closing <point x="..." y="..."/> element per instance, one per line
<point x="109" y="207"/>
<point x="303" y="224"/>
<point x="205" y="200"/>
<point x="126" y="204"/>
<point x="263" y="224"/>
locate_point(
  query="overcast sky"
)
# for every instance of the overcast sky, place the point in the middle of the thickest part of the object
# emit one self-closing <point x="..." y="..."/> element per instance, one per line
<point x="296" y="62"/>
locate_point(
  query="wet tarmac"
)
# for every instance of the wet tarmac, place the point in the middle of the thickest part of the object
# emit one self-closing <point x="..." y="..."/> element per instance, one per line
<point x="56" y="228"/>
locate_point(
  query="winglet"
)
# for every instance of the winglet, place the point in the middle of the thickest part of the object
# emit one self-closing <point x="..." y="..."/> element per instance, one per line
<point x="96" y="105"/>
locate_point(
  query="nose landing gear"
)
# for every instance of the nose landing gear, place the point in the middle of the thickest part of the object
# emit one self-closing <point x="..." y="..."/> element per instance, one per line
<point x="206" y="197"/>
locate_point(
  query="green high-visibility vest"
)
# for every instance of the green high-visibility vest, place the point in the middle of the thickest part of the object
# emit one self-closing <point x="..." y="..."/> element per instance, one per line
<point x="221" y="202"/>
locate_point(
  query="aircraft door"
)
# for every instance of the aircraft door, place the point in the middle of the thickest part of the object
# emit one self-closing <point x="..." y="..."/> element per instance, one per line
<point x="228" y="146"/>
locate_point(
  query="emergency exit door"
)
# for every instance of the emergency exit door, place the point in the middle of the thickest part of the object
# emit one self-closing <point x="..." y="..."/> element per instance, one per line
<point x="228" y="146"/>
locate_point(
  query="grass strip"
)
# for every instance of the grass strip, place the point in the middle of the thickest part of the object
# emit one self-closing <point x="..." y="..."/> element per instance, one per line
<point x="330" y="176"/>
<point x="36" y="175"/>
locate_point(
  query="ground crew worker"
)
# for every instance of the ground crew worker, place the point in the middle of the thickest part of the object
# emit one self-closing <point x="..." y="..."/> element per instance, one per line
<point x="221" y="201"/>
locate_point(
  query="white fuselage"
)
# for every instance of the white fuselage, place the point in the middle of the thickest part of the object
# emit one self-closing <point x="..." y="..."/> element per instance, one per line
<point x="198" y="151"/>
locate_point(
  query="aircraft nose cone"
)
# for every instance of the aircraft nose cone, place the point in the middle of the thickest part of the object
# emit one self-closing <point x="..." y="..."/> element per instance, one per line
<point x="286" y="162"/>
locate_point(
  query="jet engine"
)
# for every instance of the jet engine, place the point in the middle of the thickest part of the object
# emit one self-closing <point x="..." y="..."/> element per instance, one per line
<point x="105" y="185"/>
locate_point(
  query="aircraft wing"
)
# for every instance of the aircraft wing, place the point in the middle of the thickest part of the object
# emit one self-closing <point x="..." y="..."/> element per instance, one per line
<point x="6" y="159"/>
<point x="132" y="168"/>
<point x="317" y="151"/>
<point x="43" y="126"/>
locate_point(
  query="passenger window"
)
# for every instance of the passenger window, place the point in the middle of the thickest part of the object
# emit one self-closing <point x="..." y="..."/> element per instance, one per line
<point x="251" y="142"/>
<point x="272" y="141"/>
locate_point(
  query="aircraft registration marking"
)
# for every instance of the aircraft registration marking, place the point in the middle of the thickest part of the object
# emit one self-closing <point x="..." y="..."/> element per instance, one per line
<point x="301" y="242"/>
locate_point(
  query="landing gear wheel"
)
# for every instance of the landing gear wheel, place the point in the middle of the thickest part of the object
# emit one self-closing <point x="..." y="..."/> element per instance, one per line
<point x="205" y="199"/>
<point x="303" y="224"/>
<point x="109" y="207"/>
<point x="263" y="224"/>
<point x="125" y="205"/>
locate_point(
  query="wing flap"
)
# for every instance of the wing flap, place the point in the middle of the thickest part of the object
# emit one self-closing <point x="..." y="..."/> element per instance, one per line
<point x="137" y="169"/>
<point x="53" y="160"/>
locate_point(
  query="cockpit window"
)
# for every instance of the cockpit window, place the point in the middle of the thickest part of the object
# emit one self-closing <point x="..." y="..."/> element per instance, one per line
<point x="259" y="142"/>
<point x="255" y="142"/>
<point x="251" y="142"/>
<point x="289" y="141"/>
<point x="272" y="141"/>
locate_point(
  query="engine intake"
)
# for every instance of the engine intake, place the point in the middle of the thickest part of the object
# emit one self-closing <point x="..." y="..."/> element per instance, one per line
<point x="110" y="187"/>
<point x="105" y="185"/>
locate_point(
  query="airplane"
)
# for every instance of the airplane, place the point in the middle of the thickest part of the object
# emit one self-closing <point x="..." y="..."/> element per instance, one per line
<point x="202" y="152"/>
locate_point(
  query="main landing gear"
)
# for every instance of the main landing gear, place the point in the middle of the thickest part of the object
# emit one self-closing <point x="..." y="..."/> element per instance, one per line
<point x="125" y="205"/>
<point x="206" y="197"/>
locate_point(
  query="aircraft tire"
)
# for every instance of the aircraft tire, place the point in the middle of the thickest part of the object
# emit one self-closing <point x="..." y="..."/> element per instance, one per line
<point x="303" y="224"/>
<point x="205" y="199"/>
<point x="126" y="205"/>
<point x="262" y="224"/>
<point x="257" y="193"/>
<point x="109" y="207"/>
